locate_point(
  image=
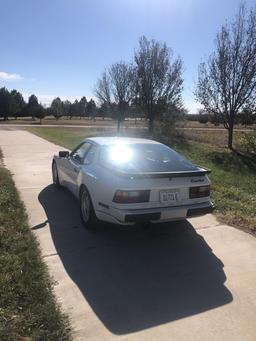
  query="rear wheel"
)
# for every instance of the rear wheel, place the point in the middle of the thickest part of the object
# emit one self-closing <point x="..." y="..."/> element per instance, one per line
<point x="55" y="176"/>
<point x="87" y="213"/>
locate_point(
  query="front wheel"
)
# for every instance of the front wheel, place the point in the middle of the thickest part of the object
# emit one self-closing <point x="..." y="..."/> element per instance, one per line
<point x="87" y="213"/>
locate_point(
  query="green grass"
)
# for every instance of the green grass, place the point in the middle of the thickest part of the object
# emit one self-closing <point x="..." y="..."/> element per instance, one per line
<point x="218" y="138"/>
<point x="28" y="310"/>
<point x="70" y="137"/>
<point x="66" y="137"/>
<point x="233" y="177"/>
<point x="233" y="182"/>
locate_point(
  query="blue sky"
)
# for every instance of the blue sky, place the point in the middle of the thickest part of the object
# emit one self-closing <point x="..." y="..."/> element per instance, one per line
<point x="60" y="47"/>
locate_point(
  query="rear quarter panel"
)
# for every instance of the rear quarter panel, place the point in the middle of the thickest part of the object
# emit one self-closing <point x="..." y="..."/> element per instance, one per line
<point x="100" y="183"/>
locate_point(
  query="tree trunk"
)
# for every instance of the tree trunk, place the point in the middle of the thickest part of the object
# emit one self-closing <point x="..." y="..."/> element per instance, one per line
<point x="118" y="125"/>
<point x="151" y="124"/>
<point x="230" y="137"/>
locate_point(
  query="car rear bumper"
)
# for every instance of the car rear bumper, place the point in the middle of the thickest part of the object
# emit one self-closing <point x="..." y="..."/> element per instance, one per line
<point x="154" y="215"/>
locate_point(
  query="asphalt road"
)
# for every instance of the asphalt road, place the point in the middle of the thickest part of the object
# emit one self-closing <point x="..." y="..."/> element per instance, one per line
<point x="192" y="280"/>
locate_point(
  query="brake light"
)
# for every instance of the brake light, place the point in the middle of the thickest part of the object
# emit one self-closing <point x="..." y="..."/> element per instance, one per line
<point x="199" y="192"/>
<point x="128" y="197"/>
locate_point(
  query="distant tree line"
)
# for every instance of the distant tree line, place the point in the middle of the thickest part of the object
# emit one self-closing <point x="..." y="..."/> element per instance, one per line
<point x="12" y="104"/>
<point x="82" y="108"/>
<point x="246" y="117"/>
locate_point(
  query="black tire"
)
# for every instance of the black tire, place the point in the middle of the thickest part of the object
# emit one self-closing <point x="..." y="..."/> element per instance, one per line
<point x="55" y="175"/>
<point x="87" y="213"/>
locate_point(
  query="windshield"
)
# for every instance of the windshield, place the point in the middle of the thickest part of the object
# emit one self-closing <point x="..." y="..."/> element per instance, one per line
<point x="148" y="157"/>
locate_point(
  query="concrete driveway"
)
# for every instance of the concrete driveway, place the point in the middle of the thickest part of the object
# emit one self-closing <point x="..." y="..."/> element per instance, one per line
<point x="182" y="281"/>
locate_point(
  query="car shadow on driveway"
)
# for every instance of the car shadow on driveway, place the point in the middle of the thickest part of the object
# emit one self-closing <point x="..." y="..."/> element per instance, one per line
<point x="131" y="278"/>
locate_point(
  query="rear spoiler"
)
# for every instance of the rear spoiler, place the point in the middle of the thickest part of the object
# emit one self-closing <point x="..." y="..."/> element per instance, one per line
<point x="173" y="174"/>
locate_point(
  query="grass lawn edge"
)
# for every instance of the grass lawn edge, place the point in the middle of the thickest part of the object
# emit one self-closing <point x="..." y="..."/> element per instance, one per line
<point x="29" y="309"/>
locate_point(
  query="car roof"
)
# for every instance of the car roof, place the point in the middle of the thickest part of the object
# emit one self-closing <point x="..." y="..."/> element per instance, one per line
<point x="109" y="140"/>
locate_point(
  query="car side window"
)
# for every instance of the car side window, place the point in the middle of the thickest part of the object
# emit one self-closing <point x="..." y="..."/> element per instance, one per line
<point x="90" y="155"/>
<point x="80" y="152"/>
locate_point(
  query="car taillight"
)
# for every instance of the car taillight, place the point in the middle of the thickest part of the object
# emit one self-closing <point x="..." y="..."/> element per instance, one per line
<point x="199" y="192"/>
<point x="128" y="197"/>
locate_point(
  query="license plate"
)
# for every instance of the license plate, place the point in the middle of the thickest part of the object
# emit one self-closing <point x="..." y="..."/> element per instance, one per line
<point x="169" y="196"/>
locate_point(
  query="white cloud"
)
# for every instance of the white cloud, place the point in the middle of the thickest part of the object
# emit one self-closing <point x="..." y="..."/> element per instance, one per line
<point x="6" y="76"/>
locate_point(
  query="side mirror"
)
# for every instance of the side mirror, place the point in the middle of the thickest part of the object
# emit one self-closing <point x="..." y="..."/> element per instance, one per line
<point x="64" y="153"/>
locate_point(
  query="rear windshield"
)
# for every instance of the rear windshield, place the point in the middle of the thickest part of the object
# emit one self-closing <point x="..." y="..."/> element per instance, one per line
<point x="138" y="157"/>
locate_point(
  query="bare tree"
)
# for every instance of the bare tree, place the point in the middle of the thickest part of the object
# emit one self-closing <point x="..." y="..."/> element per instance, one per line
<point x="103" y="89"/>
<point x="121" y="78"/>
<point x="227" y="82"/>
<point x="157" y="79"/>
<point x="103" y="92"/>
